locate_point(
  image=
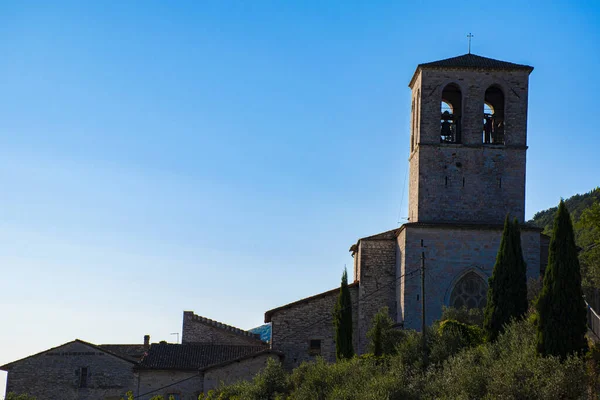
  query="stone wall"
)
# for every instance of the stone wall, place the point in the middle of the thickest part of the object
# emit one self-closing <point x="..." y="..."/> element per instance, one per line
<point x="245" y="369"/>
<point x="471" y="181"/>
<point x="197" y="329"/>
<point x="187" y="384"/>
<point x="465" y="184"/>
<point x="377" y="263"/>
<point x="55" y="374"/>
<point x="293" y="327"/>
<point x="450" y="252"/>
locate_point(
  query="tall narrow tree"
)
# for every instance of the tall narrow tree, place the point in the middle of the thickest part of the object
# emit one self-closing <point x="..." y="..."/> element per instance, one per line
<point x="342" y="321"/>
<point x="507" y="292"/>
<point x="562" y="323"/>
<point x="518" y="275"/>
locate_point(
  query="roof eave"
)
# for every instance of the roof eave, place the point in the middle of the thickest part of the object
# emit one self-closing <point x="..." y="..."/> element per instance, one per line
<point x="269" y="314"/>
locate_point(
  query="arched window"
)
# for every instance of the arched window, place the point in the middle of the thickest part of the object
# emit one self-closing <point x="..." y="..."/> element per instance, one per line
<point x="469" y="291"/>
<point x="451" y="110"/>
<point x="493" y="116"/>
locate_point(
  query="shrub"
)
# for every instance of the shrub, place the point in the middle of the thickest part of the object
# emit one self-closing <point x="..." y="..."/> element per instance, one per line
<point x="469" y="316"/>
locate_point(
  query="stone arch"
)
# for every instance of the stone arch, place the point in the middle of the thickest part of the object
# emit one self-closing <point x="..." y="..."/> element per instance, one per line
<point x="468" y="289"/>
<point x="493" y="115"/>
<point x="451" y="112"/>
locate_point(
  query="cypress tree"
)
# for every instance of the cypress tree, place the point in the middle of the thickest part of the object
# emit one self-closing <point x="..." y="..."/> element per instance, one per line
<point x="507" y="292"/>
<point x="342" y="321"/>
<point x="519" y="275"/>
<point x="562" y="316"/>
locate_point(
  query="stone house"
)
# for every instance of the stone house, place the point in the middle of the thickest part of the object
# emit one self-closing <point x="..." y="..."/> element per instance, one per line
<point x="467" y="165"/>
<point x="75" y="370"/>
<point x="186" y="370"/>
<point x="211" y="352"/>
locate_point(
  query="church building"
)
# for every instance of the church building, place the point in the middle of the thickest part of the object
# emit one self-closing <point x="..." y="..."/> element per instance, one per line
<point x="468" y="146"/>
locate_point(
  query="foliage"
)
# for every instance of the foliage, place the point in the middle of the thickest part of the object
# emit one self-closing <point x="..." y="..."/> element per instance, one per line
<point x="129" y="396"/>
<point x="562" y="321"/>
<point x="469" y="316"/>
<point x="383" y="337"/>
<point x="534" y="288"/>
<point x="576" y="205"/>
<point x="342" y="321"/>
<point x="507" y="293"/>
<point x="585" y="212"/>
<point x="508" y="368"/>
<point x="588" y="227"/>
<point x="14" y="396"/>
<point x="269" y="384"/>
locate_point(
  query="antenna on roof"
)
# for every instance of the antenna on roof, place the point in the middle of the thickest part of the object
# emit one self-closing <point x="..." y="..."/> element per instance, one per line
<point x="176" y="333"/>
<point x="470" y="36"/>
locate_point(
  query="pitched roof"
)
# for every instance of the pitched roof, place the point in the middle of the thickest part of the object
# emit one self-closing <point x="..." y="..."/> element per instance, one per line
<point x="220" y="325"/>
<point x="474" y="61"/>
<point x="471" y="61"/>
<point x="133" y="351"/>
<point x="267" y="351"/>
<point x="8" y="366"/>
<point x="194" y="356"/>
<point x="269" y="314"/>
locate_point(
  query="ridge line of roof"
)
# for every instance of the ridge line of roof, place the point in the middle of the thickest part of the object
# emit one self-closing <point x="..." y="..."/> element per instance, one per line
<point x="9" y="365"/>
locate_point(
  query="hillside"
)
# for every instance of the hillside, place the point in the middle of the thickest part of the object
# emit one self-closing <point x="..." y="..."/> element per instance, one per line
<point x="585" y="211"/>
<point x="576" y="205"/>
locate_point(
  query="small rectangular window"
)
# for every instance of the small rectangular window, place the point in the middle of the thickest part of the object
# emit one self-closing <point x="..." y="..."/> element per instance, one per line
<point x="314" y="347"/>
<point x="83" y="375"/>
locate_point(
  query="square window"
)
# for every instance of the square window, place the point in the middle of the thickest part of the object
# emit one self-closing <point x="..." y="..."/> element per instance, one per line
<point x="314" y="347"/>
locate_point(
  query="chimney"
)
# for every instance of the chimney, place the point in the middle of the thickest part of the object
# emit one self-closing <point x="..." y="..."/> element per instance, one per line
<point x="146" y="341"/>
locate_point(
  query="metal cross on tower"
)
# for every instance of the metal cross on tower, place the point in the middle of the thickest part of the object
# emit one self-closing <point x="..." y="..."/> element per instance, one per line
<point x="469" y="36"/>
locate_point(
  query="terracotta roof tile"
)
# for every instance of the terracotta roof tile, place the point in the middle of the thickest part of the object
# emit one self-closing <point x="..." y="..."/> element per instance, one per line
<point x="132" y="351"/>
<point x="193" y="356"/>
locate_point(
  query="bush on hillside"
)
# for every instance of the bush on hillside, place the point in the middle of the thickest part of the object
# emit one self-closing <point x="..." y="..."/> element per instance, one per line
<point x="469" y="316"/>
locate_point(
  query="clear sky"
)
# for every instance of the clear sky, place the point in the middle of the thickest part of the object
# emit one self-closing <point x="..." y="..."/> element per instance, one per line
<point x="222" y="156"/>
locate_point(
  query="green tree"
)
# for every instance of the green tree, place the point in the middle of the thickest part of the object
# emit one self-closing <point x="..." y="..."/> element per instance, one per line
<point x="342" y="321"/>
<point x="562" y="320"/>
<point x="382" y="335"/>
<point x="518" y="286"/>
<point x="588" y="227"/>
<point x="507" y="293"/>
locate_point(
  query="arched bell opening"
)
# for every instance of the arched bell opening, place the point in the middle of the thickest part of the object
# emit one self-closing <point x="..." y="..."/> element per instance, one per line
<point x="451" y="111"/>
<point x="493" y="116"/>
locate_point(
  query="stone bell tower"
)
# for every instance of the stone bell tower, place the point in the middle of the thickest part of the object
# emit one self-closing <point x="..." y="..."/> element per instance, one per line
<point x="468" y="141"/>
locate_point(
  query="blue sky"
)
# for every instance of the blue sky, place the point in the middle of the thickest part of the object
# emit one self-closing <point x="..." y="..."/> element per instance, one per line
<point x="222" y="156"/>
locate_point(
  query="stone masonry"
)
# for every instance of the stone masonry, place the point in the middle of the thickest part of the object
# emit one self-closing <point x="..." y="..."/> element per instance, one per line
<point x="293" y="327"/>
<point x="56" y="374"/>
<point x="450" y="253"/>
<point x="471" y="181"/>
<point x="376" y="264"/>
<point x="197" y="329"/>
